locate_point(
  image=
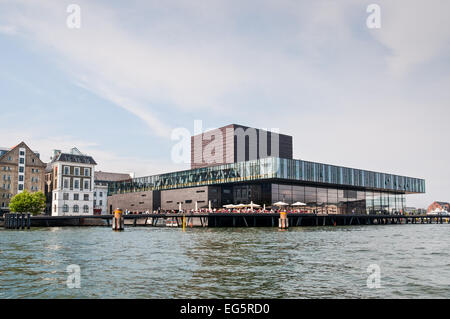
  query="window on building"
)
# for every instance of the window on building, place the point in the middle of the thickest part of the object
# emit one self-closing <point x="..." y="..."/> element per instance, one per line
<point x="86" y="184"/>
<point x="76" y="196"/>
<point x="86" y="172"/>
<point x="75" y="208"/>
<point x="20" y="187"/>
<point x="66" y="183"/>
<point x="66" y="170"/>
<point x="101" y="202"/>
<point x="76" y="184"/>
<point x="85" y="209"/>
<point x="101" y="194"/>
<point x="21" y="169"/>
<point x="20" y="178"/>
<point x="21" y="160"/>
<point x="95" y="194"/>
<point x="66" y="196"/>
<point x="95" y="202"/>
<point x="76" y="171"/>
<point x="22" y="153"/>
<point x="86" y="197"/>
<point x="54" y="208"/>
<point x="65" y="208"/>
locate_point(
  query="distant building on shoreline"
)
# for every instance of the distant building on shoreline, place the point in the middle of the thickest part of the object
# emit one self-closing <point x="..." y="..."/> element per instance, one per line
<point x="438" y="207"/>
<point x="20" y="169"/>
<point x="415" y="211"/>
<point x="72" y="183"/>
<point x="102" y="181"/>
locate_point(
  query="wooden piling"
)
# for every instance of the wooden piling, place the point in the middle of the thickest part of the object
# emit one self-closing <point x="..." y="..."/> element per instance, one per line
<point x="283" y="222"/>
<point x="118" y="221"/>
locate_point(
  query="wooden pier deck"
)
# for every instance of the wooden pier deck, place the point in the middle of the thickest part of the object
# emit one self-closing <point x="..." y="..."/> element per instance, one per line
<point x="236" y="220"/>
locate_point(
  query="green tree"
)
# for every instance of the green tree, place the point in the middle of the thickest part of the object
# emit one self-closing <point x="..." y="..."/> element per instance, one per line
<point x="26" y="202"/>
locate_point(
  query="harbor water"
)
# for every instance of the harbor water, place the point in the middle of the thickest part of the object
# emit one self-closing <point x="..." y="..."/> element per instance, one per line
<point x="156" y="262"/>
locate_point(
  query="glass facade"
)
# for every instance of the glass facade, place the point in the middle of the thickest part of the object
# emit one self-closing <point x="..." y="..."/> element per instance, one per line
<point x="377" y="185"/>
<point x="323" y="200"/>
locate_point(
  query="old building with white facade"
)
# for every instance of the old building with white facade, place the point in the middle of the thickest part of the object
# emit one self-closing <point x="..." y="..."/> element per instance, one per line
<point x="73" y="183"/>
<point x="102" y="181"/>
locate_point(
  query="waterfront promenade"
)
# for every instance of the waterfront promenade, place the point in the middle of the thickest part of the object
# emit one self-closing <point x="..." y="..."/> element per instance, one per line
<point x="226" y="219"/>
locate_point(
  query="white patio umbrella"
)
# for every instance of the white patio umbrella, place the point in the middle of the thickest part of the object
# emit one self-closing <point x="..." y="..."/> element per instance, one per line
<point x="252" y="205"/>
<point x="239" y="205"/>
<point x="280" y="204"/>
<point x="228" y="206"/>
<point x="298" y="204"/>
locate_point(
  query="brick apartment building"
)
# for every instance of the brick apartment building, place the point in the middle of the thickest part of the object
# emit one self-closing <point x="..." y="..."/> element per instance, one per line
<point x="20" y="169"/>
<point x="438" y="206"/>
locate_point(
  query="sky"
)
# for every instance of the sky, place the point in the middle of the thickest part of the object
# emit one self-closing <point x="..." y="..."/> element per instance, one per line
<point x="117" y="87"/>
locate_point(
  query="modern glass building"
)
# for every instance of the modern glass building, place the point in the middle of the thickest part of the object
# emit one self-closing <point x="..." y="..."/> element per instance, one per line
<point x="323" y="188"/>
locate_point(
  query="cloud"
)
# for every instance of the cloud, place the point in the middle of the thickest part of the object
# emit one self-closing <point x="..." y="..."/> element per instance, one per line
<point x="109" y="161"/>
<point x="8" y="29"/>
<point x="414" y="31"/>
<point x="349" y="95"/>
<point x="139" y="73"/>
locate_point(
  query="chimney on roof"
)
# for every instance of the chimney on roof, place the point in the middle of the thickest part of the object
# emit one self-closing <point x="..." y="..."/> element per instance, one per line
<point x="75" y="151"/>
<point x="55" y="154"/>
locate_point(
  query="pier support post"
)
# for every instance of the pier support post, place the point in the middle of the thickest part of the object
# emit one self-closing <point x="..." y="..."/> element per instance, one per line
<point x="245" y="221"/>
<point x="283" y="222"/>
<point x="28" y="221"/>
<point x="118" y="222"/>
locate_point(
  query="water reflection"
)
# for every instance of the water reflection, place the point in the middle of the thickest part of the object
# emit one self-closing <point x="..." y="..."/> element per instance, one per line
<point x="305" y="262"/>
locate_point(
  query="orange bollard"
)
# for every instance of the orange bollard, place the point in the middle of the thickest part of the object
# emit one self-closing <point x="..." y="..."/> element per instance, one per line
<point x="118" y="222"/>
<point x="283" y="222"/>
